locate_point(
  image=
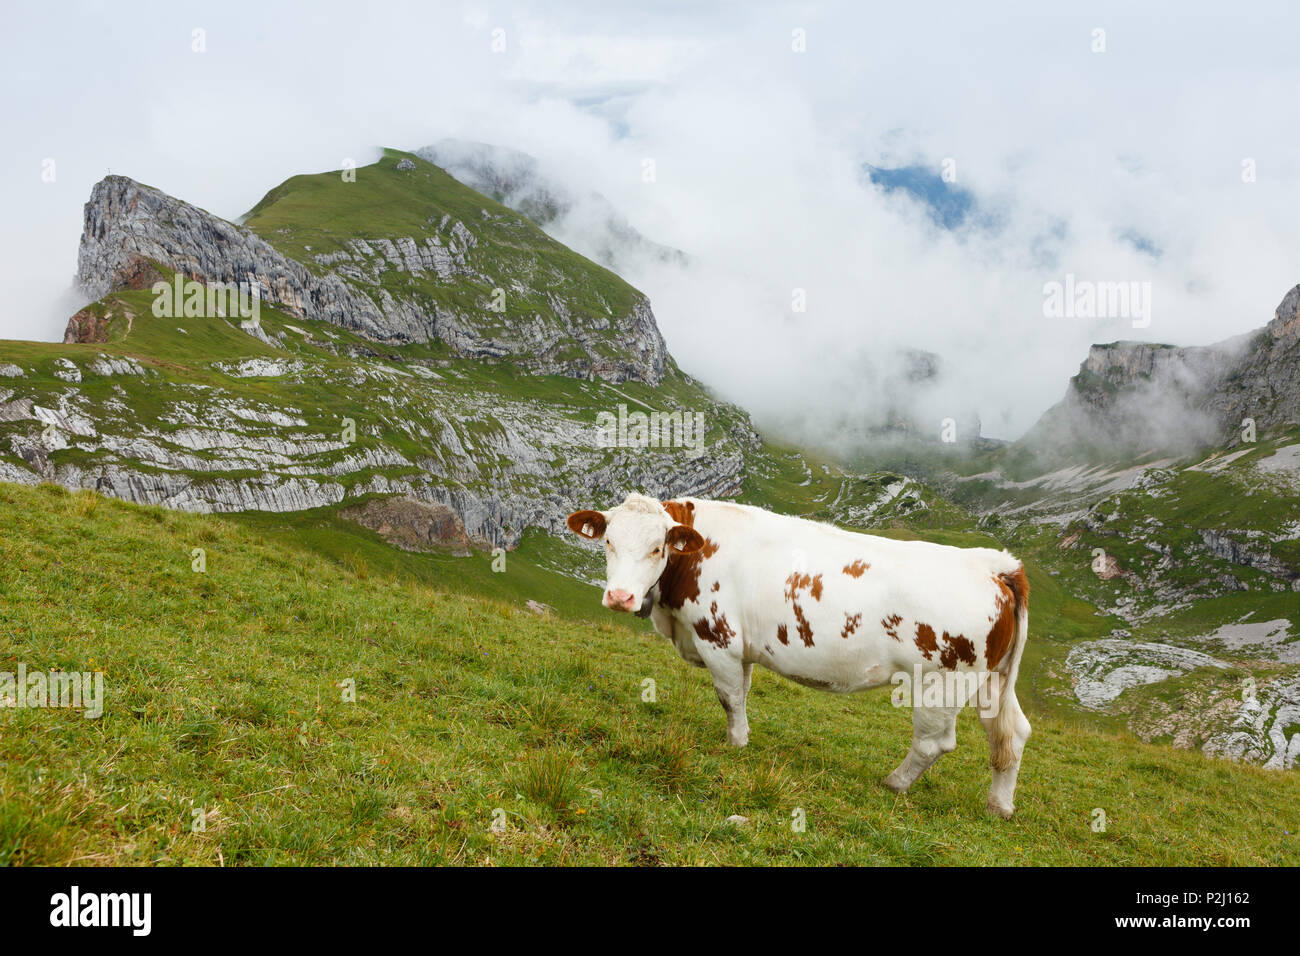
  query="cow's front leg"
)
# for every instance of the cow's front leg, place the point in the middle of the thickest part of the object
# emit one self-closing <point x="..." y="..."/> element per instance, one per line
<point x="731" y="682"/>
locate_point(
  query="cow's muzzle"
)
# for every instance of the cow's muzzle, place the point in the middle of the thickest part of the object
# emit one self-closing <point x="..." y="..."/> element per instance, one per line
<point x="617" y="600"/>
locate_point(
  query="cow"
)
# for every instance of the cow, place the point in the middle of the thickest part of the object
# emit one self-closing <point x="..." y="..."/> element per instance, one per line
<point x="733" y="585"/>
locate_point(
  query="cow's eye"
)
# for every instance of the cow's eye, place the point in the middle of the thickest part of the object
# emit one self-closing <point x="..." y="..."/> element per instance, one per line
<point x="609" y="544"/>
<point x="656" y="552"/>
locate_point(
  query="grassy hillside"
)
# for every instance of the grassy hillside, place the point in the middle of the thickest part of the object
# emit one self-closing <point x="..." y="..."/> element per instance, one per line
<point x="223" y="694"/>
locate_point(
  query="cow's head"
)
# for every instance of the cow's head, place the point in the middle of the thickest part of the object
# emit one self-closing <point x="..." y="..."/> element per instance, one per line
<point x="640" y="536"/>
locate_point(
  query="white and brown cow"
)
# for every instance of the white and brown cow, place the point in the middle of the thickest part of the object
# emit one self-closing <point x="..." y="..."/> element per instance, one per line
<point x="732" y="586"/>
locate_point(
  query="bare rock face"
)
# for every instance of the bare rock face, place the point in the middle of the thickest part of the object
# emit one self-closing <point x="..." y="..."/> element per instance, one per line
<point x="129" y="226"/>
<point x="1265" y="384"/>
<point x="1108" y="567"/>
<point x="1135" y="396"/>
<point x="412" y="525"/>
<point x="126" y="222"/>
<point x="87" y="326"/>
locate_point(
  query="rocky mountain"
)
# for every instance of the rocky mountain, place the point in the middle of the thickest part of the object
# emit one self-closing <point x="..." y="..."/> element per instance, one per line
<point x="376" y="382"/>
<point x="1135" y="397"/>
<point x="407" y="255"/>
<point x="376" y="365"/>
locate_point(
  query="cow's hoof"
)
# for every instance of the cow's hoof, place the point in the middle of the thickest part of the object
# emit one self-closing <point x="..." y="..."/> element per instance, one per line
<point x="999" y="810"/>
<point x="738" y="742"/>
<point x="895" y="784"/>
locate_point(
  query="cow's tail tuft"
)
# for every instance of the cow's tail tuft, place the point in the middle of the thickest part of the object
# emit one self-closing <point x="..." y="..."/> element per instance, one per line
<point x="1003" y="738"/>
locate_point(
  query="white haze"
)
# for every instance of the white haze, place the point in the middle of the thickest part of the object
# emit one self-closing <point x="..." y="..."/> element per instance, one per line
<point x="757" y="151"/>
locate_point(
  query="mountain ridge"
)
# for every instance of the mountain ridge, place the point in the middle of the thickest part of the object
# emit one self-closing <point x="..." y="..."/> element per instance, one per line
<point x="1139" y="396"/>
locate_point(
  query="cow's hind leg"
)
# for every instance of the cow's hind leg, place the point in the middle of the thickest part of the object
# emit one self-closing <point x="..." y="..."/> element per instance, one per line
<point x="1007" y="731"/>
<point x="934" y="733"/>
<point x="731" y="682"/>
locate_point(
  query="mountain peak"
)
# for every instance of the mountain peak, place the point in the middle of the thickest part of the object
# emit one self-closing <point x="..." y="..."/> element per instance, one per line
<point x="398" y="252"/>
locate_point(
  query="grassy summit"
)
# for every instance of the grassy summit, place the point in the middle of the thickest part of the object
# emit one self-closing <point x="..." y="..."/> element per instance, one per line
<point x="317" y="215"/>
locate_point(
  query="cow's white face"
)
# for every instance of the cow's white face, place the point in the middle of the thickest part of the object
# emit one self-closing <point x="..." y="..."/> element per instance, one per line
<point x="638" y="543"/>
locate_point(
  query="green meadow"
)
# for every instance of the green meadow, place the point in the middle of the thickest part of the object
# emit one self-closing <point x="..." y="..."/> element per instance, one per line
<point x="302" y="704"/>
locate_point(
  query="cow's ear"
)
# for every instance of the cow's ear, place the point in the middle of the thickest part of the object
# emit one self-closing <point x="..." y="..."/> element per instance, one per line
<point x="589" y="524"/>
<point x="683" y="540"/>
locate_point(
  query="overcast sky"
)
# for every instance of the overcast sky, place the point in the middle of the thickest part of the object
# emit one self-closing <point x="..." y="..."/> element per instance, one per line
<point x="1122" y="165"/>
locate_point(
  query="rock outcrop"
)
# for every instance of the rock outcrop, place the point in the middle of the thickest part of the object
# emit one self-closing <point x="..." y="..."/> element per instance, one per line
<point x="1132" y="397"/>
<point x="411" y="525"/>
<point x="88" y="327"/>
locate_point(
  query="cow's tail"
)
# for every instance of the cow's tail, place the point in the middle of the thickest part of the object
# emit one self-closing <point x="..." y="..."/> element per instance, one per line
<point x="1002" y="740"/>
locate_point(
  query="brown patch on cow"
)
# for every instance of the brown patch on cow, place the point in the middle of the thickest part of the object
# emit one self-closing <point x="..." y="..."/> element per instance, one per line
<point x="794" y="584"/>
<point x="925" y="640"/>
<point x="890" y="624"/>
<point x="797" y="582"/>
<point x="1013" y="593"/>
<point x="716" y="585"/>
<point x="683" y="512"/>
<point x="856" y="569"/>
<point x="805" y="629"/>
<point x="956" y="648"/>
<point x="851" y="623"/>
<point x="1019" y="585"/>
<point x="680" y="581"/>
<point x="783" y="634"/>
<point x="716" y="630"/>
